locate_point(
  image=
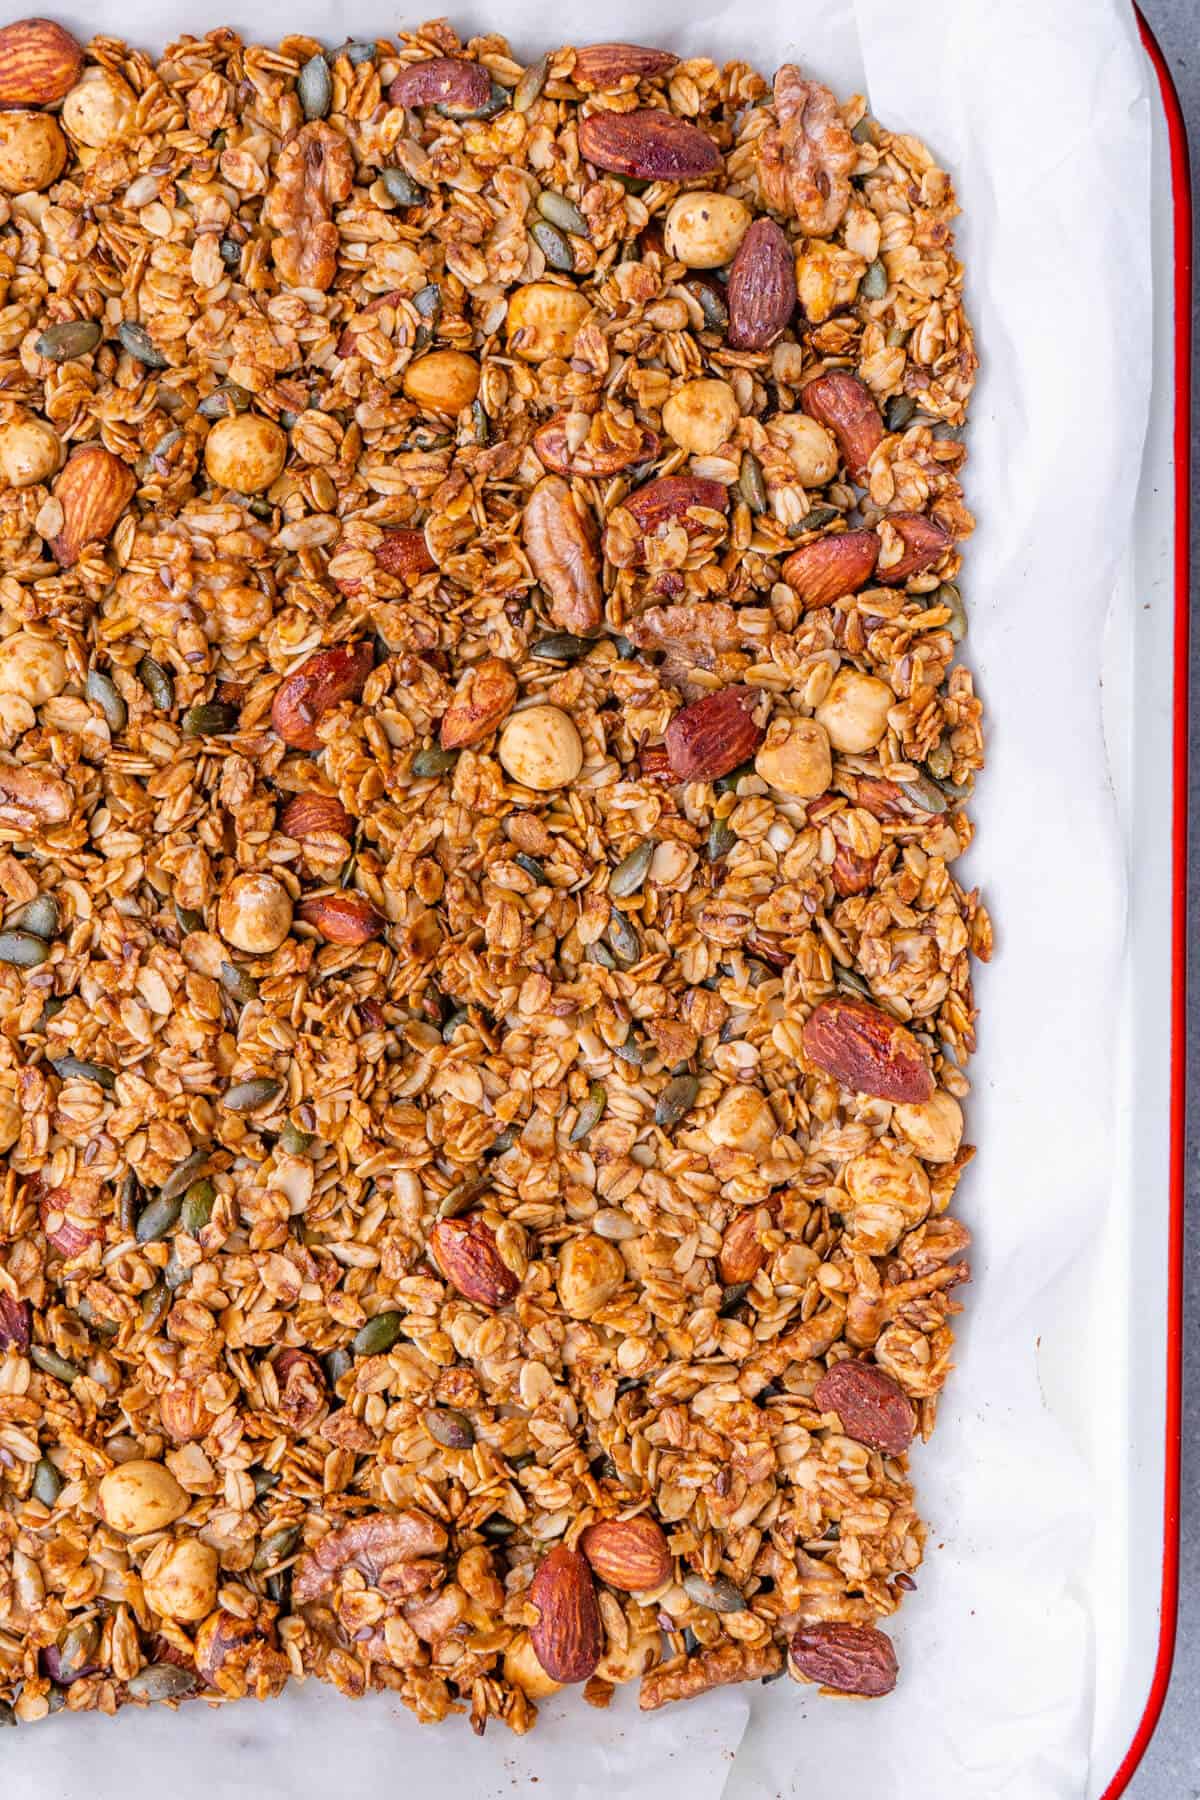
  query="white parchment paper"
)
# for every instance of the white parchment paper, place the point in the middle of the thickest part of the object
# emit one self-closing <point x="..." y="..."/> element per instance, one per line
<point x="1039" y="108"/>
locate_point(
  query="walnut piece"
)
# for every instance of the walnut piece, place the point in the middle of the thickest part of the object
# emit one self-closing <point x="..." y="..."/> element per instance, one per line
<point x="314" y="174"/>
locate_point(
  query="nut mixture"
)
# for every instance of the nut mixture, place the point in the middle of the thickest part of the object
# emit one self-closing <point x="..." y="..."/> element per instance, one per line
<point x="485" y="992"/>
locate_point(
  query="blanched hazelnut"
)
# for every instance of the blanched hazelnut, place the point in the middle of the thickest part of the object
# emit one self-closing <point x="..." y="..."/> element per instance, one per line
<point x="590" y="1270"/>
<point x="444" y="381"/>
<point x="811" y="450"/>
<point x="255" y="914"/>
<point x="541" y="748"/>
<point x="704" y="230"/>
<point x="245" y="452"/>
<point x="523" y="1670"/>
<point x="544" y="320"/>
<point x="179" y="1578"/>
<point x="30" y="450"/>
<point x="32" y="667"/>
<point x="794" y="757"/>
<point x="701" y="415"/>
<point x="934" y="1128"/>
<point x="854" y="711"/>
<point x="33" y="152"/>
<point x="887" y="1195"/>
<point x="141" y="1496"/>
<point x="629" y="1662"/>
<point x="743" y="1121"/>
<point x="99" y="109"/>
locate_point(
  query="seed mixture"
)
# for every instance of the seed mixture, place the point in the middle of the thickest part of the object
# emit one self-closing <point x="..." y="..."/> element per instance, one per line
<point x="485" y="991"/>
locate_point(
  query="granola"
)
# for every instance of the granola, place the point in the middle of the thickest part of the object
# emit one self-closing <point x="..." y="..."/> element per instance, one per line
<point x="485" y="992"/>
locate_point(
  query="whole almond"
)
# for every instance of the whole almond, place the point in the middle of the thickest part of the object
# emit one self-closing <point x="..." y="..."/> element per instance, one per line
<point x="605" y="66"/>
<point x="404" y="554"/>
<point x="483" y="697"/>
<point x="466" y="1253"/>
<point x="709" y="738"/>
<point x="310" y="815"/>
<point x="849" y="1659"/>
<point x="322" y="681"/>
<point x="846" y="405"/>
<point x="93" y="488"/>
<point x="16" y="1324"/>
<point x="831" y="567"/>
<point x="761" y="293"/>
<point x="672" y="497"/>
<point x="347" y="343"/>
<point x="562" y="554"/>
<point x="742" y="1254"/>
<point x="39" y="63"/>
<point x="649" y="145"/>
<point x="851" y="871"/>
<point x="345" y="918"/>
<point x="448" y="81"/>
<point x="568" y="1639"/>
<point x="873" y="1409"/>
<point x="31" y="798"/>
<point x="866" y="1049"/>
<point x="607" y="449"/>
<point x="629" y="1554"/>
<point x="925" y="543"/>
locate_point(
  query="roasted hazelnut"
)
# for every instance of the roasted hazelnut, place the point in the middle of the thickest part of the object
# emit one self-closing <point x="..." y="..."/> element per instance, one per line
<point x="701" y="415"/>
<point x="704" y="230"/>
<point x="179" y="1579"/>
<point x="811" y="450"/>
<point x="30" y="450"/>
<point x="934" y="1127"/>
<point x="33" y="152"/>
<point x="33" y="667"/>
<point x="854" y="711"/>
<point x="794" y="757"/>
<point x="544" y="320"/>
<point x="590" y="1270"/>
<point x="444" y="381"/>
<point x="887" y="1194"/>
<point x="99" y="110"/>
<point x="141" y="1496"/>
<point x="245" y="452"/>
<point x="743" y="1121"/>
<point x="523" y="1670"/>
<point x="541" y="748"/>
<point x="255" y="914"/>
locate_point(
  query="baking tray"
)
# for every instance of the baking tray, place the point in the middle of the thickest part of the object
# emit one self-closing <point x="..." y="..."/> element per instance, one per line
<point x="1135" y="1636"/>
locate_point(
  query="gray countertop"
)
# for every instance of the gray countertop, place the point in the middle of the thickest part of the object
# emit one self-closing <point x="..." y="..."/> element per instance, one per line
<point x="1171" y="1768"/>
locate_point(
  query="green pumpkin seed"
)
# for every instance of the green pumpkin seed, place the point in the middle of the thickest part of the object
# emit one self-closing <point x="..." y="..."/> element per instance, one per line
<point x="721" y="839"/>
<point x="481" y="425"/>
<point x="226" y="400"/>
<point x="197" y="1208"/>
<point x="600" y="953"/>
<point x="423" y="438"/>
<point x="925" y="794"/>
<point x="463" y="1195"/>
<point x="531" y="866"/>
<point x="158" y="683"/>
<point x="676" y="1101"/>
<point x="851" y="982"/>
<point x="176" y="1274"/>
<point x="182" y="1175"/>
<point x="817" y="519"/>
<point x="561" y="646"/>
<point x="949" y="596"/>
<point x="231" y="255"/>
<point x="77" y="1646"/>
<point x="496" y="102"/>
<point x="158" y="1217"/>
<point x="237" y="982"/>
<point x="213" y="719"/>
<point x="137" y="341"/>
<point x="718" y="1595"/>
<point x="50" y="1363"/>
<point x="428" y="300"/>
<point x="71" y="1068"/>
<point x="161" y="1681"/>
<point x="74" y="337"/>
<point x="898" y="411"/>
<point x="731" y="1298"/>
<point x="505" y="1141"/>
<point x="940" y="760"/>
<point x="23" y="949"/>
<point x="561" y="212"/>
<point x="249" y="1096"/>
<point x="314" y="87"/>
<point x="875" y="281"/>
<point x="263" y="1480"/>
<point x="359" y="53"/>
<point x="632" y="870"/>
<point x="275" y="1547"/>
<point x="128" y="1195"/>
<point x="711" y="303"/>
<point x="7" y="1715"/>
<point x="293" y="1141"/>
<point x="378" y="1334"/>
<point x="590" y="1113"/>
<point x="497" y="1528"/>
<point x="866" y="131"/>
<point x="634" y="1050"/>
<point x="532" y="81"/>
<point x="39" y="915"/>
<point x="751" y="485"/>
<point x="433" y="761"/>
<point x="401" y="188"/>
<point x="623" y="939"/>
<point x="448" y="1427"/>
<point x="156" y="1304"/>
<point x="101" y="689"/>
<point x="460" y="1016"/>
<point x="47" y="1482"/>
<point x="553" y="246"/>
<point x="728" y="784"/>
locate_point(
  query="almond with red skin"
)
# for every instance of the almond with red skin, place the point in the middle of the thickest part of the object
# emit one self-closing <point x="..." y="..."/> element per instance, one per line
<point x="866" y="1049"/>
<point x="851" y="872"/>
<point x="561" y="548"/>
<point x="466" y="1253"/>
<point x="602" y="66"/>
<point x="654" y="763"/>
<point x="742" y="1253"/>
<point x="483" y="697"/>
<point x="761" y="294"/>
<point x="714" y="735"/>
<point x="846" y="405"/>
<point x="344" y="918"/>
<point x="303" y="1394"/>
<point x="925" y="543"/>
<point x="850" y="1659"/>
<point x="448" y="81"/>
<point x="884" y="800"/>
<point x="65" y="1224"/>
<point x="629" y="1554"/>
<point x="873" y="1408"/>
<point x="93" y="488"/>
<point x="568" y="1639"/>
<point x="39" y="63"/>
<point x="310" y="815"/>
<point x="672" y="497"/>
<point x="831" y="567"/>
<point x="349" y="338"/>
<point x="322" y="681"/>
<point x="649" y="145"/>
<point x="605" y="451"/>
<point x="403" y="554"/>
<point x="16" y="1323"/>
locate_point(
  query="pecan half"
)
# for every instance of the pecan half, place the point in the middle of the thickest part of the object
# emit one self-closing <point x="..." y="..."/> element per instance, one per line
<point x="846" y="405"/>
<point x="649" y="145"/>
<point x="830" y="567"/>
<point x="866" y="1049"/>
<point x="448" y="81"/>
<point x="872" y="1407"/>
<point x="315" y="173"/>
<point x="761" y="292"/>
<point x="850" y="1659"/>
<point x="804" y="164"/>
<point x="721" y="1667"/>
<point x="561" y="549"/>
<point x="372" y="1545"/>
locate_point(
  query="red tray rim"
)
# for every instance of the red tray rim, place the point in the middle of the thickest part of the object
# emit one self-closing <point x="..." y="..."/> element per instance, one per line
<point x="1181" y="432"/>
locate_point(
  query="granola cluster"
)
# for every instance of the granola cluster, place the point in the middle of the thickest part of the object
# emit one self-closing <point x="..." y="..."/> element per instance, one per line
<point x="485" y="994"/>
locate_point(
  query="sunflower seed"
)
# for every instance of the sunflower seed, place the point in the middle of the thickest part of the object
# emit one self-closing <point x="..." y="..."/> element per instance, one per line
<point x="505" y="1141"/>
<point x="615" y="1225"/>
<point x="721" y="839"/>
<point x="50" y="1363"/>
<point x="481" y="425"/>
<point x="263" y="1480"/>
<point x="138" y="342"/>
<point x="47" y="1482"/>
<point x="213" y="719"/>
<point x="898" y="411"/>
<point x="591" y="1112"/>
<point x="314" y="87"/>
<point x="600" y="953"/>
<point x="161" y="1681"/>
<point x="72" y="1068"/>
<point x="176" y="1274"/>
<point x="718" y="1595"/>
<point x="449" y="1427"/>
<point x="632" y="870"/>
<point x="676" y="1101"/>
<point x="101" y="689"/>
<point x="23" y="949"/>
<point x="553" y="246"/>
<point x="561" y="212"/>
<point x="39" y="915"/>
<point x="433" y="761"/>
<point x="634" y="1050"/>
<point x="378" y="1334"/>
<point x="158" y="683"/>
<point x="532" y="81"/>
<point x="751" y="485"/>
<point x="561" y="646"/>
<point x="875" y="281"/>
<point x="275" y="1547"/>
<point x="74" y="337"/>
<point x="249" y="1096"/>
<point x="624" y="940"/>
<point x="182" y="1175"/>
<point x="158" y="1217"/>
<point x="197" y="1207"/>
